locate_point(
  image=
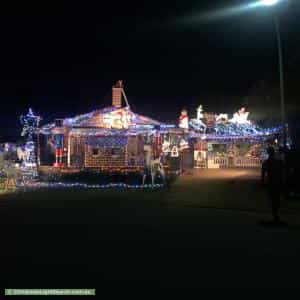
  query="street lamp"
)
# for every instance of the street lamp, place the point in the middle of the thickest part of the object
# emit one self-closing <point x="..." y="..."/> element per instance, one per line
<point x="269" y="2"/>
<point x="280" y="60"/>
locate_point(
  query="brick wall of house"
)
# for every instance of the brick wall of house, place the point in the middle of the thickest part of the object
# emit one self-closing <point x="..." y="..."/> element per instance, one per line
<point x="135" y="149"/>
<point x="106" y="157"/>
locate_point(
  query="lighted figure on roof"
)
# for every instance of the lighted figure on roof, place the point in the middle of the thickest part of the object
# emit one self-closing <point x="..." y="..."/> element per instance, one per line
<point x="240" y="117"/>
<point x="118" y="119"/>
<point x="222" y="118"/>
<point x="200" y="115"/>
<point x="198" y="124"/>
<point x="184" y="120"/>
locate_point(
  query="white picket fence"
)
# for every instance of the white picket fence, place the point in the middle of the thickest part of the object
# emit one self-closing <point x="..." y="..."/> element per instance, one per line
<point x="238" y="162"/>
<point x="216" y="162"/>
<point x="221" y="161"/>
<point x="247" y="162"/>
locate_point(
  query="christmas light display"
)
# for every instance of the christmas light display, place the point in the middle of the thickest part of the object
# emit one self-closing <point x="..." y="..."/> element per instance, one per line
<point x="59" y="150"/>
<point x="166" y="145"/>
<point x="183" y="145"/>
<point x="174" y="152"/>
<point x="107" y="141"/>
<point x="113" y="127"/>
<point x="183" y="121"/>
<point x="198" y="124"/>
<point x="222" y="118"/>
<point x="246" y="130"/>
<point x="240" y="117"/>
<point x="80" y="185"/>
<point x="9" y="174"/>
<point x="200" y="114"/>
<point x="111" y="119"/>
<point x="30" y="124"/>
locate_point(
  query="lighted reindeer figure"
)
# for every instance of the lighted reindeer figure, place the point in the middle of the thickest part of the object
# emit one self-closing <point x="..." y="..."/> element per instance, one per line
<point x="153" y="165"/>
<point x="22" y="154"/>
<point x="9" y="169"/>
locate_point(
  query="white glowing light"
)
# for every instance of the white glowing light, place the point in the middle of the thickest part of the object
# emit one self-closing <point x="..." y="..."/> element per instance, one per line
<point x="269" y="2"/>
<point x="174" y="152"/>
<point x="200" y="113"/>
<point x="222" y="117"/>
<point x="240" y="117"/>
<point x="118" y="119"/>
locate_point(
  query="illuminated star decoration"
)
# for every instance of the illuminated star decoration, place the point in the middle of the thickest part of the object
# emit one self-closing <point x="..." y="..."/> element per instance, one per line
<point x="30" y="123"/>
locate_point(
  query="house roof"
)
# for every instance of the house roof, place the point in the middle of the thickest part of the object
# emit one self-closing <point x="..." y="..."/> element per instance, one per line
<point x="109" y="117"/>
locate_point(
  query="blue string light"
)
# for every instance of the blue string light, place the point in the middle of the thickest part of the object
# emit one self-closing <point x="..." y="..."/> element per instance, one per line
<point x="232" y="129"/>
<point x="63" y="185"/>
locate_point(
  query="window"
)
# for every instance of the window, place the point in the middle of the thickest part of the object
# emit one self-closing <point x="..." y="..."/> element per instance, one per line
<point x="59" y="122"/>
<point x="95" y="151"/>
<point x="115" y="153"/>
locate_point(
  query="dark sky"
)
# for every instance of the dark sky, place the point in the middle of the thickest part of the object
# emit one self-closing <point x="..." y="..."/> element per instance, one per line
<point x="62" y="57"/>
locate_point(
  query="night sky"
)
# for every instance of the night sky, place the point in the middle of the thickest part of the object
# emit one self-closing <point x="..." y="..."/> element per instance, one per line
<point x="61" y="58"/>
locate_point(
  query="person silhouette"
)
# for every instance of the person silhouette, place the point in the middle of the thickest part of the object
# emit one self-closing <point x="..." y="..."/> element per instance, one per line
<point x="273" y="170"/>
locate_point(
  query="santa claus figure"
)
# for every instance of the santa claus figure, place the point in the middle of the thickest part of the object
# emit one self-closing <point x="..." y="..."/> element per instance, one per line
<point x="184" y="120"/>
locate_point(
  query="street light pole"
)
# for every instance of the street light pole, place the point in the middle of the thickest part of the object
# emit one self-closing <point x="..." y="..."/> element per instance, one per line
<point x="281" y="78"/>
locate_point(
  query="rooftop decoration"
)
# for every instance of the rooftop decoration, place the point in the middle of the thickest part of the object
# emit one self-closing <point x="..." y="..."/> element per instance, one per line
<point x="198" y="124"/>
<point x="200" y="113"/>
<point x="183" y="121"/>
<point x="110" y="118"/>
<point x="238" y="127"/>
<point x="221" y="118"/>
<point x="240" y="117"/>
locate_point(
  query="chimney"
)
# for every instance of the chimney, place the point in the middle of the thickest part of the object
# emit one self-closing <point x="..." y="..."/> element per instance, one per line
<point x="117" y="94"/>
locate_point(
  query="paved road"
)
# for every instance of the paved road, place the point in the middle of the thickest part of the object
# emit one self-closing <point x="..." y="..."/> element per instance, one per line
<point x="236" y="189"/>
<point x="129" y="240"/>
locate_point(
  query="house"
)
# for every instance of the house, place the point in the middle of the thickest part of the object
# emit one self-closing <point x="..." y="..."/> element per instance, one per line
<point x="112" y="138"/>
